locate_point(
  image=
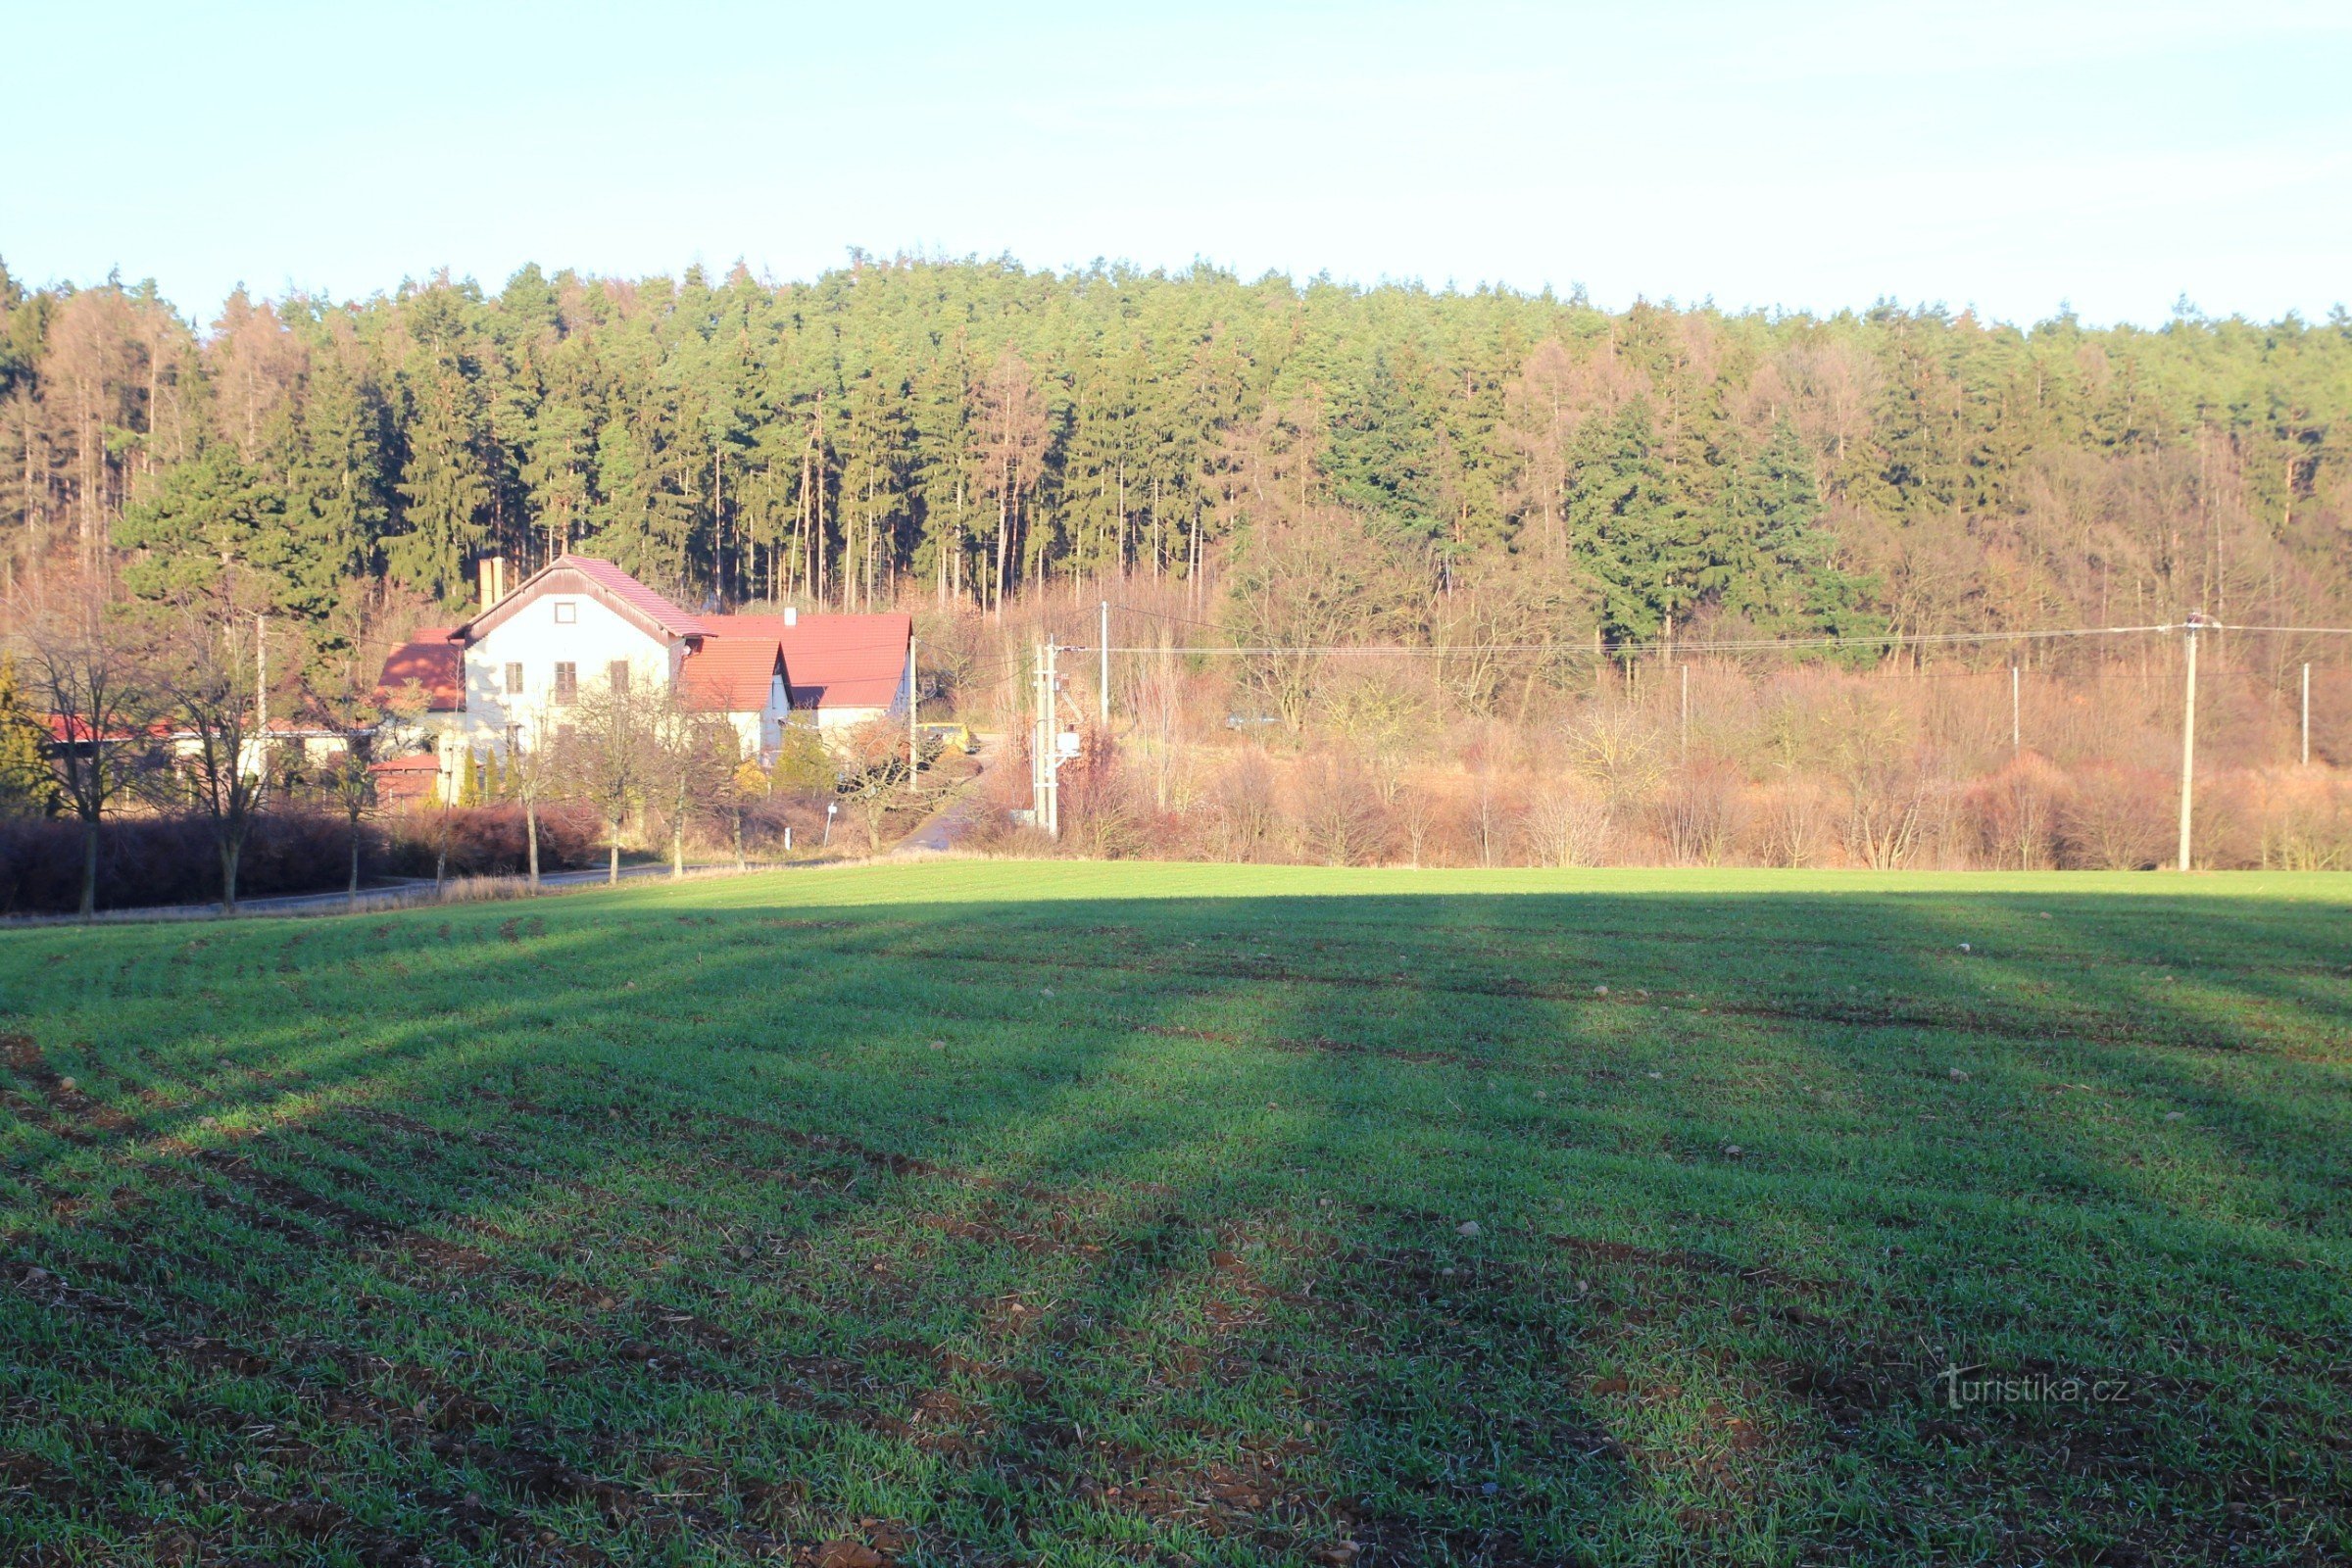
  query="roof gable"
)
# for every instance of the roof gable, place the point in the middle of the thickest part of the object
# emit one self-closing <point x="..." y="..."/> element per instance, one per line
<point x="589" y="578"/>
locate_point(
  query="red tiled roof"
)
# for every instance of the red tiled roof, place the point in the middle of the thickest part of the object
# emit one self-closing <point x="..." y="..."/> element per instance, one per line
<point x="832" y="661"/>
<point x="668" y="616"/>
<point x="434" y="663"/>
<point x="729" y="675"/>
<point x="78" y="729"/>
<point x="633" y="599"/>
<point x="422" y="761"/>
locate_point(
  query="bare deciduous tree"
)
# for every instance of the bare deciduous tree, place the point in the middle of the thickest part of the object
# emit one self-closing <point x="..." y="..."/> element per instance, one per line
<point x="215" y="695"/>
<point x="87" y="667"/>
<point x="605" y="756"/>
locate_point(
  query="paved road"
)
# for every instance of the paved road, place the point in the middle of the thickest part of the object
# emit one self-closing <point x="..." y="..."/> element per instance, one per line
<point x="385" y="895"/>
<point x="945" y="827"/>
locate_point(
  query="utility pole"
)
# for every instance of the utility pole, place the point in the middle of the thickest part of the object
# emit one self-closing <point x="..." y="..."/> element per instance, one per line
<point x="1037" y="742"/>
<point x="2307" y="716"/>
<point x="1045" y="790"/>
<point x="2189" y="734"/>
<point x="914" y="744"/>
<point x="1104" y="640"/>
<point x="1049" y="734"/>
<point x="1686" y="712"/>
<point x="2016" y="732"/>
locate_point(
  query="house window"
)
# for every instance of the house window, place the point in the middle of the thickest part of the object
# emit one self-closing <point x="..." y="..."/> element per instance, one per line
<point x="567" y="682"/>
<point x="514" y="680"/>
<point x="618" y="676"/>
<point x="566" y="611"/>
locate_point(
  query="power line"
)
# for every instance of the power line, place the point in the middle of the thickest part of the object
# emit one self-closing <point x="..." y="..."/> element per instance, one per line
<point x="1886" y="640"/>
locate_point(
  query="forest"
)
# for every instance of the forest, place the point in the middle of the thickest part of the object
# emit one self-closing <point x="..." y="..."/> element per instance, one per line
<point x="970" y="431"/>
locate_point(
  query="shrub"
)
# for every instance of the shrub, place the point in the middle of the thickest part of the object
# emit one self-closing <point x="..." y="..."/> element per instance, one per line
<point x="1341" y="817"/>
<point x="1569" y="823"/>
<point x="153" y="861"/>
<point x="1792" y="824"/>
<point x="2306" y="822"/>
<point x="490" y="839"/>
<point x="2114" y="818"/>
<point x="2010" y="817"/>
<point x="1700" y="814"/>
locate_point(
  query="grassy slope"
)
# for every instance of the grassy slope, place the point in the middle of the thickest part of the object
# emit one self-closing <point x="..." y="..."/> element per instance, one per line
<point x="1068" y="1213"/>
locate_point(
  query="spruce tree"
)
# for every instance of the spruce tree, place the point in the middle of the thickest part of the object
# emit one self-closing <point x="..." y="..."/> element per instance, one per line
<point x="443" y="486"/>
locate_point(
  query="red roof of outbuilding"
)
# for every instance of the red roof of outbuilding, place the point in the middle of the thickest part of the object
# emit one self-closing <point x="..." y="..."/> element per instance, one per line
<point x="832" y="661"/>
<point x="434" y="663"/>
<point x="729" y="675"/>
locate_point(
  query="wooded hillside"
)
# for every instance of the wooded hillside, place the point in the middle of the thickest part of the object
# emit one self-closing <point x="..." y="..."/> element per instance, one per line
<point x="967" y="429"/>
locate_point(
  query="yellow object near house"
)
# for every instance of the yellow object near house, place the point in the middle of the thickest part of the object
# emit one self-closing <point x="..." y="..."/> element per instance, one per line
<point x="959" y="736"/>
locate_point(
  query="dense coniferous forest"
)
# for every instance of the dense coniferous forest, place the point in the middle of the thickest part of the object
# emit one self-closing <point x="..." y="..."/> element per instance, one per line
<point x="970" y="431"/>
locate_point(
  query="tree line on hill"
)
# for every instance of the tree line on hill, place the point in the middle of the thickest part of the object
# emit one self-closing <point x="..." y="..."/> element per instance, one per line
<point x="969" y="431"/>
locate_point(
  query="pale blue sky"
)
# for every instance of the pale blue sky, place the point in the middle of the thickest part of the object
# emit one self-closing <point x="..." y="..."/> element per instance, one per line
<point x="2002" y="154"/>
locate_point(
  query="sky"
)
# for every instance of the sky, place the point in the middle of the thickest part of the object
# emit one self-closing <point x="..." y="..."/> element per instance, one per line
<point x="2004" y="157"/>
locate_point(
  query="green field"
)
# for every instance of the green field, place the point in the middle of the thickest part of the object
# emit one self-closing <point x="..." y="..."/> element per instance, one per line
<point x="999" y="1213"/>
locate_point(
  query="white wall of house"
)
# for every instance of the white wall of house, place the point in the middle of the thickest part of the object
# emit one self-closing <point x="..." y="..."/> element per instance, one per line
<point x="762" y="733"/>
<point x="531" y="636"/>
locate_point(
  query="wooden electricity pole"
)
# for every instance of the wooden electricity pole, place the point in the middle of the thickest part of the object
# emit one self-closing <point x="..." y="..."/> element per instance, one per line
<point x="1104" y="640"/>
<point x="2016" y="731"/>
<point x="914" y="744"/>
<point x="2306" y="715"/>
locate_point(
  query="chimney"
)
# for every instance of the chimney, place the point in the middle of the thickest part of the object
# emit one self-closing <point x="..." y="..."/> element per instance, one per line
<point x="792" y="615"/>
<point x="492" y="572"/>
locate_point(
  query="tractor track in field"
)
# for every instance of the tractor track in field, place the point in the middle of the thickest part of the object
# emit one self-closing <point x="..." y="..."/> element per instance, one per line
<point x="939" y="1420"/>
<point x="452" y="1425"/>
<point x="1991" y="1026"/>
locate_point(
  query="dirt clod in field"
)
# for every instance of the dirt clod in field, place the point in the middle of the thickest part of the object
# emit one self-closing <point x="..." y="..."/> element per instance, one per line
<point x="845" y="1554"/>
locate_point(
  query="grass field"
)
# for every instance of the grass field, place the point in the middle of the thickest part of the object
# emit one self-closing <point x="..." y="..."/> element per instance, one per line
<point x="1064" y="1213"/>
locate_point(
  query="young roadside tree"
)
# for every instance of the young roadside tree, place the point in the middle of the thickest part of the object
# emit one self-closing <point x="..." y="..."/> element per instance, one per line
<point x="605" y="756"/>
<point x="535" y="776"/>
<point x="86" y="666"/>
<point x="691" y="757"/>
<point x="340" y="694"/>
<point x="213" y="685"/>
<point x="736" y="796"/>
<point x="874" y="775"/>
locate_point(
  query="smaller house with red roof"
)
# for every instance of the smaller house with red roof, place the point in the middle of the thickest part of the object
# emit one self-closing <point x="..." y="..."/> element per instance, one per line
<point x="580" y="625"/>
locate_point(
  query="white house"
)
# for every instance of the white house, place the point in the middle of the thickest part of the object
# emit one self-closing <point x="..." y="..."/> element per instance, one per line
<point x="841" y="670"/>
<point x="507" y="676"/>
